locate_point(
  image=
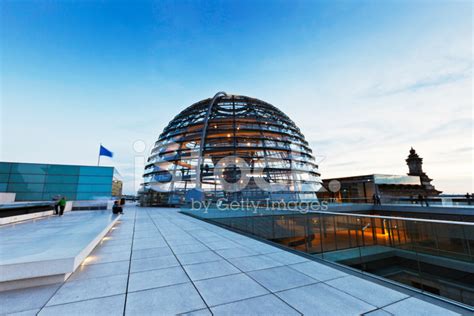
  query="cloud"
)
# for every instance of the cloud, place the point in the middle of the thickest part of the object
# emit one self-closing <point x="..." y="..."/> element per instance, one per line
<point x="464" y="149"/>
<point x="451" y="127"/>
<point x="428" y="82"/>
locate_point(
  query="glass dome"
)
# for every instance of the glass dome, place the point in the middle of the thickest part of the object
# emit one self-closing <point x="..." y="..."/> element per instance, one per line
<point x="230" y="148"/>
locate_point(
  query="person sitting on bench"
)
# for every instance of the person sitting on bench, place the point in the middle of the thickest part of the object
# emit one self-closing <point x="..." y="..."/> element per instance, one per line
<point x="117" y="209"/>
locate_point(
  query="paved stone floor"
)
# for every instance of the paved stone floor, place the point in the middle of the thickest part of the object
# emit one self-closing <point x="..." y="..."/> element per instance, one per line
<point x="158" y="261"/>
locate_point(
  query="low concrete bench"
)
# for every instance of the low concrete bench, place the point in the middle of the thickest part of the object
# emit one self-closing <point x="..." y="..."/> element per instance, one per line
<point x="22" y="211"/>
<point x="48" y="250"/>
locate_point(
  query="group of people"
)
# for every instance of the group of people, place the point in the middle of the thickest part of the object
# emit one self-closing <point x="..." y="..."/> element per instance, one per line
<point x="422" y="199"/>
<point x="60" y="205"/>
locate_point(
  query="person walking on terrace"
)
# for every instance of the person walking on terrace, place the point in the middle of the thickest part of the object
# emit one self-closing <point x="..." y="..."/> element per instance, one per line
<point x="468" y="198"/>
<point x="379" y="200"/>
<point x="62" y="205"/>
<point x="376" y="199"/>
<point x="56" y="205"/>
<point x="420" y="199"/>
<point x="426" y="200"/>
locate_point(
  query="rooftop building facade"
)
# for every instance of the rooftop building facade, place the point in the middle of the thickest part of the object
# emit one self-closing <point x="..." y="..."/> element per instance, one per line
<point x="231" y="148"/>
<point x="389" y="187"/>
<point x="43" y="182"/>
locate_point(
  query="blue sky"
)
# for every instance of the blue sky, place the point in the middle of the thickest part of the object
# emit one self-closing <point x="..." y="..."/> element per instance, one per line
<point x="364" y="80"/>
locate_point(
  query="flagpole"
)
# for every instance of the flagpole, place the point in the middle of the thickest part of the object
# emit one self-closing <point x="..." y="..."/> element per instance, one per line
<point x="98" y="158"/>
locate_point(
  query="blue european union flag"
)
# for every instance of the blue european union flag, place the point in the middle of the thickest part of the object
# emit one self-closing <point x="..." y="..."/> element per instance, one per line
<point x="105" y="152"/>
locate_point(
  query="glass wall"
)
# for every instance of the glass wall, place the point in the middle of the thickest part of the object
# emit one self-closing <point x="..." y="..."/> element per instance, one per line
<point x="42" y="182"/>
<point x="435" y="256"/>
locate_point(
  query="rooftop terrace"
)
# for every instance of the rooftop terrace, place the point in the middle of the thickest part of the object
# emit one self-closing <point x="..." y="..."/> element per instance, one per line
<point x="160" y="261"/>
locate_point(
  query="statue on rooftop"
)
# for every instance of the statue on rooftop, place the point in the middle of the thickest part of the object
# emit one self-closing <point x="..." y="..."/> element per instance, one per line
<point x="415" y="168"/>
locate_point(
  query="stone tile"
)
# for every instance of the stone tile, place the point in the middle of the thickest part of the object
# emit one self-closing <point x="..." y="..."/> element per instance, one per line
<point x="156" y="278"/>
<point x="88" y="289"/>
<point x="229" y="289"/>
<point x="115" y="242"/>
<point x="236" y="252"/>
<point x="219" y="245"/>
<point x="122" y="236"/>
<point x="107" y="257"/>
<point x="189" y="248"/>
<point x="168" y="300"/>
<point x="265" y="249"/>
<point x="318" y="271"/>
<point x="262" y="305"/>
<point x="156" y="237"/>
<point x="26" y="299"/>
<point x="146" y="227"/>
<point x="209" y="270"/>
<point x="151" y="252"/>
<point x="111" y="249"/>
<point x="153" y="263"/>
<point x="281" y="278"/>
<point x="31" y="312"/>
<point x="198" y="257"/>
<point x="147" y="243"/>
<point x="182" y="242"/>
<point x="378" y="312"/>
<point x="370" y="292"/>
<point x="147" y="234"/>
<point x="325" y="300"/>
<point x="415" y="306"/>
<point x="286" y="257"/>
<point x="100" y="270"/>
<point x="112" y="305"/>
<point x="259" y="247"/>
<point x="201" y="312"/>
<point x="210" y="238"/>
<point x="254" y="263"/>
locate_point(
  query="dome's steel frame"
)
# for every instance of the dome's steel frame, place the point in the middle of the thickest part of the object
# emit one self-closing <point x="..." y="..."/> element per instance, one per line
<point x="186" y="155"/>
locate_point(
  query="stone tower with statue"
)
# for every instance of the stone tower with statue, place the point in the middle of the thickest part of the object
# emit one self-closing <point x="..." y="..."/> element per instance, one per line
<point x="415" y="167"/>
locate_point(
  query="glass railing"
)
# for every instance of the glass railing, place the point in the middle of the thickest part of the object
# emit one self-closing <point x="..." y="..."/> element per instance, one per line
<point x="434" y="256"/>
